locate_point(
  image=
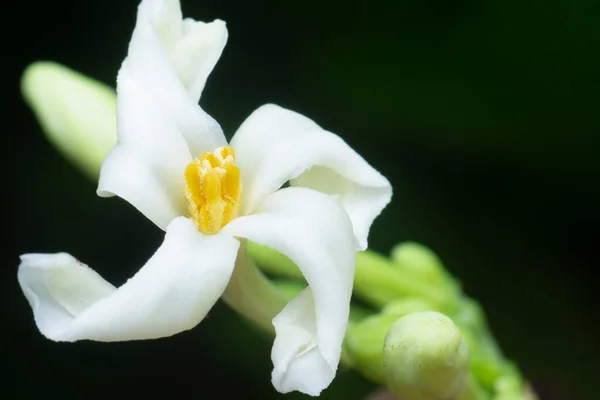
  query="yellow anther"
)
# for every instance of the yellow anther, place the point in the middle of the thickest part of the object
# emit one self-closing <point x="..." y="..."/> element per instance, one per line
<point x="213" y="189"/>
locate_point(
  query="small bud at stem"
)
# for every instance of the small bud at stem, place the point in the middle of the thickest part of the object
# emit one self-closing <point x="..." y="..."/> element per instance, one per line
<point x="425" y="358"/>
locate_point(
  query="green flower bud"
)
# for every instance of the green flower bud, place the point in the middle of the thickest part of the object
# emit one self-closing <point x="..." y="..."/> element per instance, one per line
<point x="508" y="387"/>
<point x="378" y="282"/>
<point x="365" y="339"/>
<point x="78" y="114"/>
<point x="405" y="306"/>
<point x="414" y="256"/>
<point x="421" y="261"/>
<point x="425" y="358"/>
<point x="471" y="314"/>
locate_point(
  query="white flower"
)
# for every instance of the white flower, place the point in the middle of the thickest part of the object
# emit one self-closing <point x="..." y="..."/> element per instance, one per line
<point x="173" y="164"/>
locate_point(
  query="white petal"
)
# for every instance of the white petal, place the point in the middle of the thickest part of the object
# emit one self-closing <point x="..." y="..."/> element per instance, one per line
<point x="172" y="59"/>
<point x="160" y="126"/>
<point x="171" y="293"/>
<point x="275" y="145"/>
<point x="147" y="166"/>
<point x="197" y="53"/>
<point x="314" y="232"/>
<point x="299" y="363"/>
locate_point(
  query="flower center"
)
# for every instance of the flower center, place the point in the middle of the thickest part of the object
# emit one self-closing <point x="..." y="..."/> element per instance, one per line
<point x="213" y="189"/>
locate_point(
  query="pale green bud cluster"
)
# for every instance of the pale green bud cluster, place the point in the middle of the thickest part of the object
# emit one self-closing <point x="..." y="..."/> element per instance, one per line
<point x="419" y="334"/>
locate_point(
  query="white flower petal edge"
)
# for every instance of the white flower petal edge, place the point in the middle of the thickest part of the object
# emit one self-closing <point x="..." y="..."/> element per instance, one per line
<point x="316" y="233"/>
<point x="275" y="145"/>
<point x="160" y="126"/>
<point x="171" y="293"/>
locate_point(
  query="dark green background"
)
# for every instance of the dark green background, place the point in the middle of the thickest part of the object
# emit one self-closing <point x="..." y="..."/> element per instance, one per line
<point x="485" y="115"/>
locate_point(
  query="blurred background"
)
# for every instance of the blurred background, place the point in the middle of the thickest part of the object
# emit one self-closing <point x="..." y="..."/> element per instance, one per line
<point x="485" y="115"/>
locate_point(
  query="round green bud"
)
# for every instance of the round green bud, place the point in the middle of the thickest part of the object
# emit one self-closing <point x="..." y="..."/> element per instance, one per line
<point x="365" y="339"/>
<point x="425" y="357"/>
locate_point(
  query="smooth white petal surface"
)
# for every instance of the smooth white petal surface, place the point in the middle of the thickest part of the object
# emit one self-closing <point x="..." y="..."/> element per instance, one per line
<point x="197" y="53"/>
<point x="172" y="59"/>
<point x="275" y="145"/>
<point x="160" y="126"/>
<point x="316" y="233"/>
<point x="147" y="166"/>
<point x="171" y="293"/>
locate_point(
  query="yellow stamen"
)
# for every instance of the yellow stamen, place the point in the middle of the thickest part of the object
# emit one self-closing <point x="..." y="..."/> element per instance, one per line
<point x="213" y="189"/>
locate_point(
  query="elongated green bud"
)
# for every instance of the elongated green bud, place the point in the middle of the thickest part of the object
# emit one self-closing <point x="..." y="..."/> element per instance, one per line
<point x="420" y="260"/>
<point x="425" y="358"/>
<point x="77" y="113"/>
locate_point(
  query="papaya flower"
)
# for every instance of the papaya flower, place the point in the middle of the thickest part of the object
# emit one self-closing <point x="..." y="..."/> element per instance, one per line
<point x="173" y="163"/>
